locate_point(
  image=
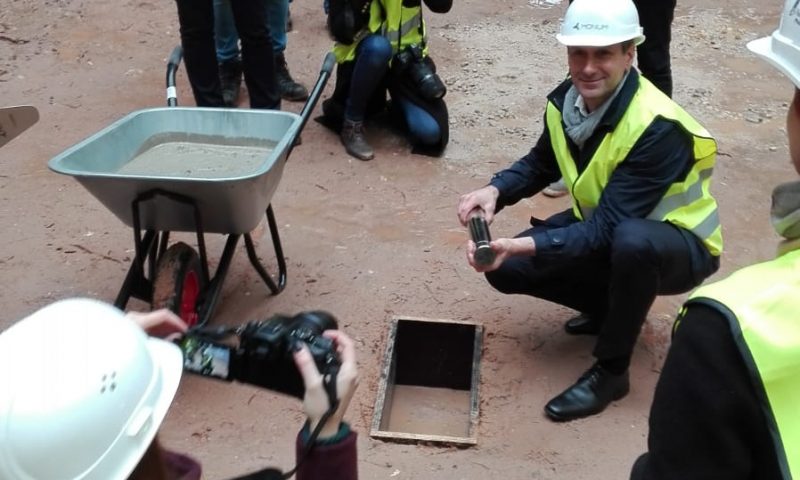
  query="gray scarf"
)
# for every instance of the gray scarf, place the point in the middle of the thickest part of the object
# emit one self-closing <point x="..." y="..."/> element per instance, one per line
<point x="579" y="126"/>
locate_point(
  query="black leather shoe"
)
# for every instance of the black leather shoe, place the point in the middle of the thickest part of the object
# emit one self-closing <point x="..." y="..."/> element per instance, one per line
<point x="582" y="325"/>
<point x="591" y="394"/>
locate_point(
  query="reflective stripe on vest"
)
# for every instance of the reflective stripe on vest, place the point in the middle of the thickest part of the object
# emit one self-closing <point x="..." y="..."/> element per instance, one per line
<point x="762" y="303"/>
<point x="686" y="203"/>
<point x="400" y="25"/>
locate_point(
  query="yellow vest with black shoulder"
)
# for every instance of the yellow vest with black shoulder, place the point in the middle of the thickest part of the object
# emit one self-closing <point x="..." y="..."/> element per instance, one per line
<point x="687" y="203"/>
<point x="402" y="26"/>
<point x="762" y="304"/>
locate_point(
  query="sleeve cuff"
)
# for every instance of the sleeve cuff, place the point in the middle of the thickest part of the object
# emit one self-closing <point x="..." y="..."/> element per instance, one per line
<point x="305" y="435"/>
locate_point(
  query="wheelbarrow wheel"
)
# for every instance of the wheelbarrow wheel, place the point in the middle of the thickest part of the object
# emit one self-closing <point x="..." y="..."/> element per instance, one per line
<point x="178" y="282"/>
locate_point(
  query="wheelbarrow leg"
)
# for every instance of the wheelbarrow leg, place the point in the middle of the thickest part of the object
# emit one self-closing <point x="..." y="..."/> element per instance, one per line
<point x="276" y="244"/>
<point x="214" y="288"/>
<point x="136" y="284"/>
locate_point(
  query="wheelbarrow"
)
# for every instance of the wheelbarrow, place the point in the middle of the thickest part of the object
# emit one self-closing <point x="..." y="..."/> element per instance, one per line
<point x="202" y="170"/>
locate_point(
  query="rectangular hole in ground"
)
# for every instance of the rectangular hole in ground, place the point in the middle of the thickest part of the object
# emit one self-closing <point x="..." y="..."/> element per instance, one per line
<point x="431" y="381"/>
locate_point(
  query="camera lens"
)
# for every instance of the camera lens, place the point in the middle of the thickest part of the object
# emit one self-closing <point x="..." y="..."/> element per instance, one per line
<point x="316" y="321"/>
<point x="429" y="85"/>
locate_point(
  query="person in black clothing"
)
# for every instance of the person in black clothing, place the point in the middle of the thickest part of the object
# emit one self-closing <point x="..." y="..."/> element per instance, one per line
<point x="643" y="222"/>
<point x="706" y="420"/>
<point x="710" y="416"/>
<point x="653" y="55"/>
<point x="197" y="38"/>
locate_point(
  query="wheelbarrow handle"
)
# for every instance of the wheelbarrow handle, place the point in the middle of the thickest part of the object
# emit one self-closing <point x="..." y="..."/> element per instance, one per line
<point x="316" y="92"/>
<point x="328" y="63"/>
<point x="172" y="67"/>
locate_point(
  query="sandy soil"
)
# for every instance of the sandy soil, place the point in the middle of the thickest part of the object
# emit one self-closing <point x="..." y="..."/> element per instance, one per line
<point x="371" y="241"/>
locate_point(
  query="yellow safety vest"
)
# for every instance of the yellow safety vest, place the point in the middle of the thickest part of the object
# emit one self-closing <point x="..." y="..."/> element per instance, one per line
<point x="402" y="26"/>
<point x="687" y="203"/>
<point x="762" y="304"/>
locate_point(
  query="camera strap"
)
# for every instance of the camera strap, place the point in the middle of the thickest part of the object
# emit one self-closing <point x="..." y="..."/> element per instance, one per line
<point x="420" y="27"/>
<point x="329" y="382"/>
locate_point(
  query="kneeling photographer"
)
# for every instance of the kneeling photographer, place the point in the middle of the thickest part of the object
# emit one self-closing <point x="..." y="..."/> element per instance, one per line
<point x="382" y="45"/>
<point x="87" y="378"/>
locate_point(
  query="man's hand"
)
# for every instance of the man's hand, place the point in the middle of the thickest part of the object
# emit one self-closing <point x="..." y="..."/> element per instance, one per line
<point x="159" y="323"/>
<point x="315" y="401"/>
<point x="484" y="199"/>
<point x="503" y="248"/>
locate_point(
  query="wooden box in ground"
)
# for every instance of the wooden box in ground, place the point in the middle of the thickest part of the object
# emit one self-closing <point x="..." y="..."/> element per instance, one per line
<point x="428" y="388"/>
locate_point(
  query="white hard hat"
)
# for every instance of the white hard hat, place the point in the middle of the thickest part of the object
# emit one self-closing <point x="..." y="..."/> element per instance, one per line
<point x="781" y="49"/>
<point x="83" y="391"/>
<point x="600" y="23"/>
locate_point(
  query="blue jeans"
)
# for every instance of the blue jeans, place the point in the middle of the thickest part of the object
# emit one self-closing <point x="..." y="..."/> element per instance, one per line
<point x="227" y="38"/>
<point x="371" y="65"/>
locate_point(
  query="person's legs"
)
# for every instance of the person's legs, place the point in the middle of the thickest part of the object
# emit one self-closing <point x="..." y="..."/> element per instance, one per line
<point x="277" y="13"/>
<point x="257" y="55"/>
<point x="648" y="258"/>
<point x="582" y="285"/>
<point x="226" y="39"/>
<point x="277" y="10"/>
<point x="656" y="16"/>
<point x="197" y="39"/>
<point x="421" y="125"/>
<point x="371" y="64"/>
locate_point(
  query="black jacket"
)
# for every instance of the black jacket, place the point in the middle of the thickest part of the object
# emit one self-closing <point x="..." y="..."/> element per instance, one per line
<point x="662" y="156"/>
<point x="706" y="421"/>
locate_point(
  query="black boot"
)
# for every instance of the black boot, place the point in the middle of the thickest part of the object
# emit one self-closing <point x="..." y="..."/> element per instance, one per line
<point x="591" y="394"/>
<point x="354" y="142"/>
<point x="230" y="77"/>
<point x="290" y="90"/>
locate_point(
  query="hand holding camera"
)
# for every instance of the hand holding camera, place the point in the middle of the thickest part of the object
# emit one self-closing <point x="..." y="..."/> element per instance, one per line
<point x="264" y="356"/>
<point x="315" y="401"/>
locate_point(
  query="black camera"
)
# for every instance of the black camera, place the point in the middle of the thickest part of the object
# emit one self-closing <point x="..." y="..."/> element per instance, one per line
<point x="420" y="74"/>
<point x="263" y="355"/>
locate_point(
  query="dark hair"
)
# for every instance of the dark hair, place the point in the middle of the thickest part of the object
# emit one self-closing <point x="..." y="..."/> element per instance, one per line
<point x="627" y="44"/>
<point x="151" y="466"/>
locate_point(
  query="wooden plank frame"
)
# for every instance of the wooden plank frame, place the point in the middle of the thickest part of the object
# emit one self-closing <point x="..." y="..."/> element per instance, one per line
<point x="383" y="400"/>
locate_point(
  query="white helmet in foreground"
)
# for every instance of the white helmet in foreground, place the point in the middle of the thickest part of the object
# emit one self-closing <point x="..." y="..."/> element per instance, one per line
<point x="781" y="49"/>
<point x="600" y="23"/>
<point x="83" y="391"/>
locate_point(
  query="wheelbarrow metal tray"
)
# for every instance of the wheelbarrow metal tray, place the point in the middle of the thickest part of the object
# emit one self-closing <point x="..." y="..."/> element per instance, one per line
<point x="231" y="201"/>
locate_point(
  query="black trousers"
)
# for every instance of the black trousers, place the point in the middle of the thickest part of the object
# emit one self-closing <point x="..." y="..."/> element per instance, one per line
<point x="655" y="17"/>
<point x="197" y="38"/>
<point x="618" y="286"/>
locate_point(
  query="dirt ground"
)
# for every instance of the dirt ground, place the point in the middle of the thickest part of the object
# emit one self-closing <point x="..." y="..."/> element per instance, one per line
<point x="370" y="241"/>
